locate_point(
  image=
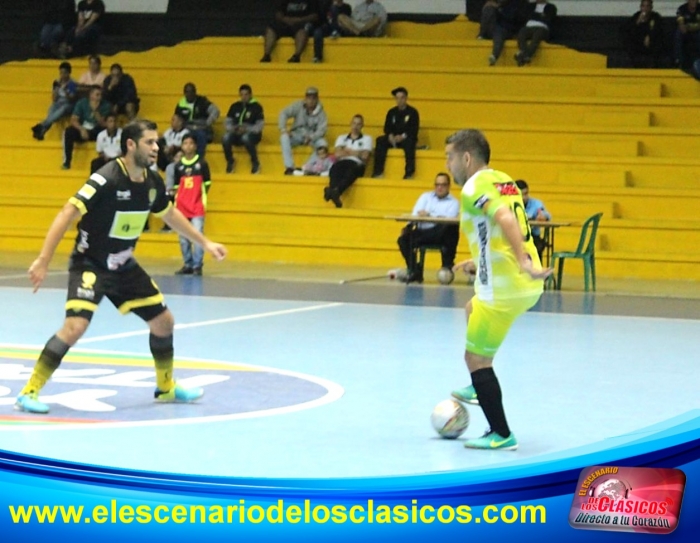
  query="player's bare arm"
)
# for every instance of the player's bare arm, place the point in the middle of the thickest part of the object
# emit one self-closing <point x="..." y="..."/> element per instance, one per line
<point x="505" y="218"/>
<point x="39" y="268"/>
<point x="178" y="222"/>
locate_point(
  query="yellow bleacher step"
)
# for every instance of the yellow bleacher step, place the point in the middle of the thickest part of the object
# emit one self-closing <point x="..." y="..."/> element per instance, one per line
<point x="626" y="90"/>
<point x="606" y="146"/>
<point x="621" y="118"/>
<point x="593" y="176"/>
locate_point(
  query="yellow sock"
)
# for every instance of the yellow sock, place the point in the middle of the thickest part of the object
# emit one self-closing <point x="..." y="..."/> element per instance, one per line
<point x="43" y="370"/>
<point x="164" y="375"/>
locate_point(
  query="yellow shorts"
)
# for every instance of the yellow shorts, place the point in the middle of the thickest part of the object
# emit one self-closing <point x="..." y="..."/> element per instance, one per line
<point x="489" y="322"/>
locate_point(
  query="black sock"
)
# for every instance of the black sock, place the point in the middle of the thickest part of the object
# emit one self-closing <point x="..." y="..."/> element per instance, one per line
<point x="489" y="393"/>
<point x="163" y="353"/>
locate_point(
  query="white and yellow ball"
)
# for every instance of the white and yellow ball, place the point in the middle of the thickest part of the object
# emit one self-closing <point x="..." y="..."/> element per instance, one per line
<point x="450" y="419"/>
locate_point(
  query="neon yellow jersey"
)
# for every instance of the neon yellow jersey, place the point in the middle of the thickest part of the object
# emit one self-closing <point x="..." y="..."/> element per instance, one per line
<point x="498" y="275"/>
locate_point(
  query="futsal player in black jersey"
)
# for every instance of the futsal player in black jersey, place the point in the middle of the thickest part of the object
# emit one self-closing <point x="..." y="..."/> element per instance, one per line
<point x="113" y="206"/>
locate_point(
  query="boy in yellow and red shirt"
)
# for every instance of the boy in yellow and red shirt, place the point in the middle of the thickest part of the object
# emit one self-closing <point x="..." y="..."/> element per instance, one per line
<point x="192" y="182"/>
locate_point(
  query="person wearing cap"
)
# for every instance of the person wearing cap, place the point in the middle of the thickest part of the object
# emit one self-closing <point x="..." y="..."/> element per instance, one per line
<point x="294" y="18"/>
<point x="368" y="19"/>
<point x="244" y="124"/>
<point x="352" y="152"/>
<point x="309" y="125"/>
<point x="400" y="130"/>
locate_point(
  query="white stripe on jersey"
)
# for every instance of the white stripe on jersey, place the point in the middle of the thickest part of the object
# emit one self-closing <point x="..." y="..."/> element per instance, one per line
<point x="97" y="178"/>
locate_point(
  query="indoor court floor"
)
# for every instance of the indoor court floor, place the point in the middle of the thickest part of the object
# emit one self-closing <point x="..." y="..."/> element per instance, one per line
<point x="306" y="377"/>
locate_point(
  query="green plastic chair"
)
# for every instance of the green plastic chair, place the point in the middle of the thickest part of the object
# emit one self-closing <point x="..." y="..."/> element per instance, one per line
<point x="585" y="251"/>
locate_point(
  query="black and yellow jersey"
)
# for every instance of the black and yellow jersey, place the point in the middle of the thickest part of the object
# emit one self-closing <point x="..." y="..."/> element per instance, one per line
<point x="114" y="212"/>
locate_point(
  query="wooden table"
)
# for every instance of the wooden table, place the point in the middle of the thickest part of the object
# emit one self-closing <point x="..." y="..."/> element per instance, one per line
<point x="548" y="228"/>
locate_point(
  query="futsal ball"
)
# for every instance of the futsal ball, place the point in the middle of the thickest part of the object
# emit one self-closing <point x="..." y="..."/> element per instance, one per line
<point x="445" y="276"/>
<point x="399" y="274"/>
<point x="450" y="419"/>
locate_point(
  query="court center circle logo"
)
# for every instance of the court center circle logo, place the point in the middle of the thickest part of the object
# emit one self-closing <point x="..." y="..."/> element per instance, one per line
<point x="97" y="387"/>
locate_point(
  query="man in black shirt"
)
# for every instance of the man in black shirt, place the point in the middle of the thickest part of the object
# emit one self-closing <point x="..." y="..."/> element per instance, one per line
<point x="120" y="91"/>
<point x="244" y="123"/>
<point x="295" y="18"/>
<point x="113" y="206"/>
<point x="686" y="40"/>
<point x="400" y="130"/>
<point x="83" y="37"/>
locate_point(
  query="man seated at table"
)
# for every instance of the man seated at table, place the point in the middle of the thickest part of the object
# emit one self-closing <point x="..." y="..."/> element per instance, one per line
<point x="535" y="211"/>
<point x="436" y="203"/>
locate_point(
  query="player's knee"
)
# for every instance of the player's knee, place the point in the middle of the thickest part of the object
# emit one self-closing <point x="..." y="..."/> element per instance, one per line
<point x="163" y="324"/>
<point x="73" y="329"/>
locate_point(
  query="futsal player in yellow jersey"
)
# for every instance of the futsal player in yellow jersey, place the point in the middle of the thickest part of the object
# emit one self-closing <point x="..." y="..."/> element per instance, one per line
<point x="509" y="276"/>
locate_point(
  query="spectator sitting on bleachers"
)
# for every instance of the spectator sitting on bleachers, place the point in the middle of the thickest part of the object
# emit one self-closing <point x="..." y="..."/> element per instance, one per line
<point x="201" y="114"/>
<point x="170" y="143"/>
<point x="535" y="211"/>
<point x="400" y="130"/>
<point x="368" y="19"/>
<point x="309" y="126"/>
<point x="83" y="37"/>
<point x="63" y="94"/>
<point x="59" y="16"/>
<point x="108" y="144"/>
<point x="538" y="28"/>
<point x="487" y="20"/>
<point x="318" y="164"/>
<point x="329" y="25"/>
<point x="295" y="18"/>
<point x="120" y="91"/>
<point x="88" y="120"/>
<point x="686" y="44"/>
<point x="244" y="125"/>
<point x="644" y="34"/>
<point x="94" y="77"/>
<point x="435" y="203"/>
<point x="509" y="21"/>
<point x="352" y="152"/>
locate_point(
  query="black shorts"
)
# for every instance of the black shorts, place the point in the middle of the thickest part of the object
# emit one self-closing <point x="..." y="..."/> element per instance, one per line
<point x="130" y="290"/>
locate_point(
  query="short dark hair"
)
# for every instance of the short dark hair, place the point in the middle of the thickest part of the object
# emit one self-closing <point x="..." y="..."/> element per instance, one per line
<point x="96" y="58"/>
<point x="188" y="136"/>
<point x="194" y="87"/>
<point x="65" y="66"/>
<point x="117" y="66"/>
<point x="471" y="141"/>
<point x="444" y="174"/>
<point x="134" y="131"/>
<point x="359" y="116"/>
<point x="522" y="184"/>
<point x="245" y="87"/>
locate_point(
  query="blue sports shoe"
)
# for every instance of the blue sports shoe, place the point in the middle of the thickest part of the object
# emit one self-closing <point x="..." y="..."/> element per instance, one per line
<point x="178" y="394"/>
<point x="493" y="441"/>
<point x="466" y="395"/>
<point x="29" y="403"/>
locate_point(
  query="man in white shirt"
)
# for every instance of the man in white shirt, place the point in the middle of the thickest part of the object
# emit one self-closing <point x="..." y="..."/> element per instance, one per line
<point x="368" y="19"/>
<point x="108" y="145"/>
<point x="352" y="152"/>
<point x="436" y="203"/>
